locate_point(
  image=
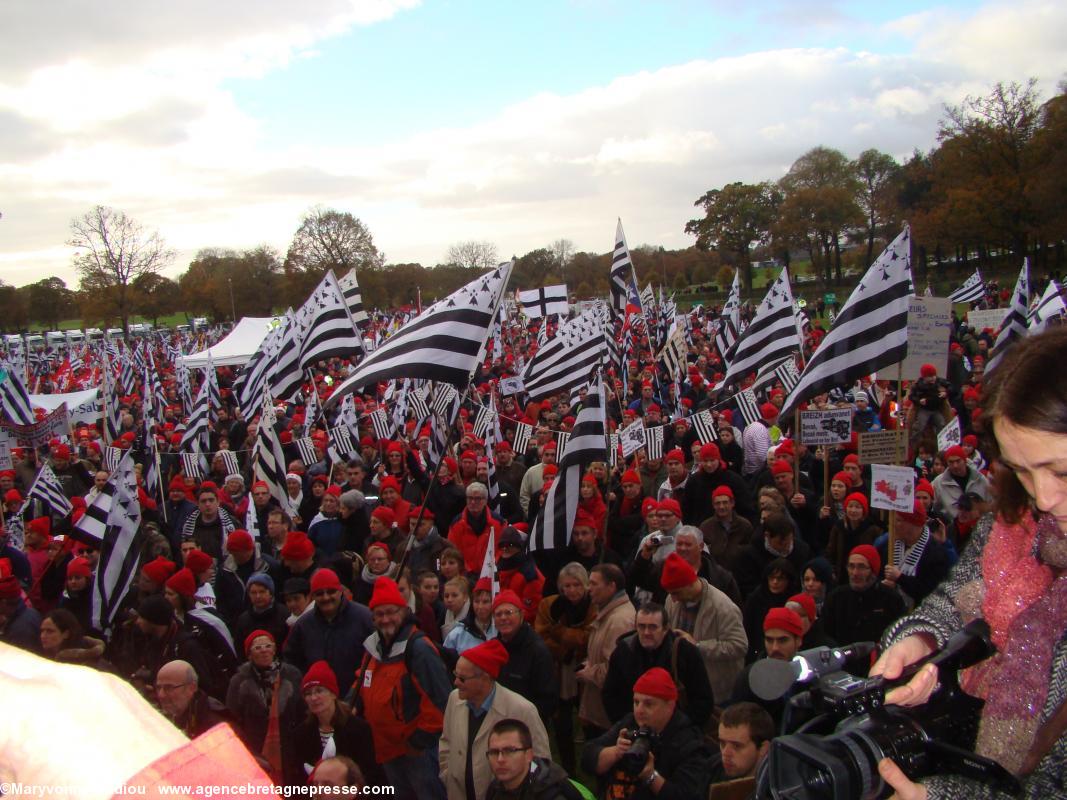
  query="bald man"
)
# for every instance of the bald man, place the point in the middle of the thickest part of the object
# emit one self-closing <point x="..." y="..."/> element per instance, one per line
<point x="182" y="702"/>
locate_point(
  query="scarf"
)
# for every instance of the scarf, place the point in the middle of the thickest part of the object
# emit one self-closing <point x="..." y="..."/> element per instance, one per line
<point x="477" y="522"/>
<point x="909" y="562"/>
<point x="778" y="553"/>
<point x="369" y="577"/>
<point x="1025" y="604"/>
<point x="272" y="741"/>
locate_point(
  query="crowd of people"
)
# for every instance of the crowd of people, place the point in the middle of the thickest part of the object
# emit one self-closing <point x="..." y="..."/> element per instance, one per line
<point x="354" y="639"/>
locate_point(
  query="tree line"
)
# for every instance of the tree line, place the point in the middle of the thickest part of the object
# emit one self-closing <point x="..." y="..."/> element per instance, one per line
<point x="993" y="186"/>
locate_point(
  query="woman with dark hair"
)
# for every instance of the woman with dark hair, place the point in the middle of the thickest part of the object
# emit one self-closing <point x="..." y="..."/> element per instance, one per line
<point x="591" y="501"/>
<point x="62" y="640"/>
<point x="779" y="583"/>
<point x="1012" y="574"/>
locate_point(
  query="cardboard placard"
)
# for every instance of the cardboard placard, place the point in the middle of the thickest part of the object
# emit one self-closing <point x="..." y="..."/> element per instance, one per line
<point x="83" y="408"/>
<point x="892" y="488"/>
<point x="512" y="385"/>
<point x="880" y="447"/>
<point x="5" y="451"/>
<point x="632" y="437"/>
<point x="949" y="435"/>
<point x="980" y="319"/>
<point x="929" y="326"/>
<point x="833" y="426"/>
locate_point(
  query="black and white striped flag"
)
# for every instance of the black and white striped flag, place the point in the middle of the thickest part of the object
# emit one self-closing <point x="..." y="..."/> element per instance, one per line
<point x="540" y="303"/>
<point x="284" y="373"/>
<point x="249" y="385"/>
<point x="1013" y="327"/>
<point x="353" y="296"/>
<point x="613" y="450"/>
<point x="622" y="271"/>
<point x="481" y="421"/>
<point x="445" y="343"/>
<point x="654" y="442"/>
<point x="15" y="399"/>
<point x="1050" y="305"/>
<point x="91" y="527"/>
<point x="552" y="528"/>
<point x="417" y="401"/>
<point x="523" y="432"/>
<point x="196" y="428"/>
<point x="730" y="319"/>
<point x="342" y="446"/>
<point x="871" y="331"/>
<point x="331" y="332"/>
<point x="119" y="553"/>
<point x="674" y="353"/>
<point x="705" y="427"/>
<point x="748" y="405"/>
<point x="192" y="464"/>
<point x="112" y="457"/>
<point x="229" y="459"/>
<point x="973" y="289"/>
<point x="772" y="334"/>
<point x="269" y="458"/>
<point x="562" y="437"/>
<point x="47" y="489"/>
<point x="306" y="448"/>
<point x="569" y="359"/>
<point x="444" y="395"/>
<point x="380" y="422"/>
<point x="787" y="373"/>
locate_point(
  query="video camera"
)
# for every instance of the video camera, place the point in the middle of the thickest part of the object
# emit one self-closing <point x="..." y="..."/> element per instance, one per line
<point x="835" y="753"/>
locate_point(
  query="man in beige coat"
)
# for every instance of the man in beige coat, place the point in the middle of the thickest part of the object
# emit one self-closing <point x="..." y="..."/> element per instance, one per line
<point x="480" y="701"/>
<point x="615" y="617"/>
<point x="708" y="618"/>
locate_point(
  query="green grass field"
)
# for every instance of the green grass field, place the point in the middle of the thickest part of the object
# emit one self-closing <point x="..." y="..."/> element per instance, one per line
<point x="168" y="321"/>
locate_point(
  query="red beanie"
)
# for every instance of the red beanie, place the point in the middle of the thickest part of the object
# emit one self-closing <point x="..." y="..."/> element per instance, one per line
<point x="928" y="370"/>
<point x="807" y="602"/>
<point x="489" y="656"/>
<point x="852" y="458"/>
<point x="324" y="579"/>
<point x="710" y="451"/>
<point x="389" y="482"/>
<point x="381" y="546"/>
<point x="240" y="542"/>
<point x="320" y="674"/>
<point x="784" y="620"/>
<point x="768" y="411"/>
<point x="255" y="635"/>
<point x="917" y="515"/>
<point x="386" y="515"/>
<point x="677" y="573"/>
<point x="648" y="505"/>
<point x="868" y="552"/>
<point x="956" y="452"/>
<point x="657" y="682"/>
<point x="12" y="496"/>
<point x="861" y="498"/>
<point x="386" y="593"/>
<point x="675" y="455"/>
<point x="297" y="546"/>
<point x="483" y="585"/>
<point x="334" y="490"/>
<point x="630" y="476"/>
<point x="785" y="448"/>
<point x="158" y="570"/>
<point x="844" y="477"/>
<point x="198" y="561"/>
<point x="723" y="491"/>
<point x="183" y="582"/>
<point x="923" y="485"/>
<point x="584" y="519"/>
<point x="79" y="567"/>
<point x="507" y="597"/>
<point x="782" y="468"/>
<point x="671" y="505"/>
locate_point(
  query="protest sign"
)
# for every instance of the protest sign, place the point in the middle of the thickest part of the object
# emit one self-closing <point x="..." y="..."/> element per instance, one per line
<point x="55" y="424"/>
<point x="980" y="319"/>
<point x="5" y="451"/>
<point x="512" y="385"/>
<point x="833" y="426"/>
<point x="83" y="407"/>
<point x="880" y="447"/>
<point x="892" y="488"/>
<point x="929" y="326"/>
<point x="632" y="437"/>
<point x="949" y="435"/>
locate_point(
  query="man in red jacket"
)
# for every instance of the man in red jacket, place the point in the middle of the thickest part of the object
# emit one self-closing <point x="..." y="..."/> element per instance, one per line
<point x="470" y="533"/>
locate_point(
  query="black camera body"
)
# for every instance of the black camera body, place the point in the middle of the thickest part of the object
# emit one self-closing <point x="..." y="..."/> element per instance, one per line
<point x="835" y="754"/>
<point x="644" y="741"/>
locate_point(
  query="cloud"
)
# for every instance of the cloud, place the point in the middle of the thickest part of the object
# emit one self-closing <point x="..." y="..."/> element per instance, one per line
<point x="174" y="150"/>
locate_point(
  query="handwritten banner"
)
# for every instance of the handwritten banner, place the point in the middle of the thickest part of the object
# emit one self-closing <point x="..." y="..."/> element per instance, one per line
<point x="55" y="424"/>
<point x="892" y="488"/>
<point x="833" y="426"/>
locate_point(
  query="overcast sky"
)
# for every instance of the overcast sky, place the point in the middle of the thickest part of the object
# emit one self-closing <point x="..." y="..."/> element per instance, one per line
<point x="220" y="124"/>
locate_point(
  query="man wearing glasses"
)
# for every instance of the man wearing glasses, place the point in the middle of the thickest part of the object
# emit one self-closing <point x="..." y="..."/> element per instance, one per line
<point x="182" y="702"/>
<point x="471" y="531"/>
<point x="518" y="772"/>
<point x="476" y="704"/>
<point x="529" y="671"/>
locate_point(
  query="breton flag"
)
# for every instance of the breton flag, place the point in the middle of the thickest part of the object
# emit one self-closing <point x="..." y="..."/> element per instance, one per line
<point x="330" y="331"/>
<point x="446" y="342"/>
<point x="552" y="528"/>
<point x="1050" y="305"/>
<point x="748" y="406"/>
<point x="523" y="432"/>
<point x="214" y="395"/>
<point x="539" y="303"/>
<point x="705" y="427"/>
<point x="1013" y="327"/>
<point x="353" y="296"/>
<point x="654" y="442"/>
<point x="284" y="375"/>
<point x="871" y="331"/>
<point x="248" y="387"/>
<point x="47" y="488"/>
<point x="771" y="336"/>
<point x="15" y="399"/>
<point x="567" y="360"/>
<point x="196" y="428"/>
<point x="306" y="448"/>
<point x="119" y="553"/>
<point x="972" y="289"/>
<point x="730" y="319"/>
<point x="622" y="273"/>
<point x="269" y="458"/>
<point x="674" y="353"/>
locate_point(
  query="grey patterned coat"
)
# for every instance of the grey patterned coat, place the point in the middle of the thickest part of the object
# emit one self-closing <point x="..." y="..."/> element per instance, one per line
<point x="940" y="617"/>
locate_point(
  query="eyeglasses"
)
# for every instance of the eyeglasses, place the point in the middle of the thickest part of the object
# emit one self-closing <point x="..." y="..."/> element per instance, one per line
<point x="169" y="687"/>
<point x="476" y="498"/>
<point x="325" y="593"/>
<point x="465" y="678"/>
<point x="505" y="613"/>
<point x="507" y="752"/>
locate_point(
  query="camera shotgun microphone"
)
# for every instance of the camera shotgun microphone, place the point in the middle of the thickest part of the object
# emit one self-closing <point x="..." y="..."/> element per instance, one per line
<point x="771" y="678"/>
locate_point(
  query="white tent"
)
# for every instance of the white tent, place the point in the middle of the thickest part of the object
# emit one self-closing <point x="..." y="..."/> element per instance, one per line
<point x="237" y="347"/>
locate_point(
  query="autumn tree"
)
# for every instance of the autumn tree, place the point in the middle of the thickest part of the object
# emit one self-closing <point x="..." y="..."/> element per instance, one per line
<point x="563" y="251"/>
<point x="471" y="254"/>
<point x="327" y="239"/>
<point x="50" y="301"/>
<point x="533" y="269"/>
<point x="1047" y="189"/>
<point x="253" y="275"/>
<point x="736" y="218"/>
<point x="877" y="173"/>
<point x="155" y="296"/>
<point x="111" y="251"/>
<point x="14" y="312"/>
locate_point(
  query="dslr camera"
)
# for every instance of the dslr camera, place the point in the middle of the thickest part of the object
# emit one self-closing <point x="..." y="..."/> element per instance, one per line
<point x="644" y="741"/>
<point x="847" y="728"/>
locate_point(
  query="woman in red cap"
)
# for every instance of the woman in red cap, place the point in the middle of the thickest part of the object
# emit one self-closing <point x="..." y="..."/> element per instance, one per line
<point x="331" y="728"/>
<point x="591" y="502"/>
<point x="378" y="564"/>
<point x="856" y="528"/>
<point x="625" y="523"/>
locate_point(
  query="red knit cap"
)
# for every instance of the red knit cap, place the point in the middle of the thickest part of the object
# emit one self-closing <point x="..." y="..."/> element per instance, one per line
<point x="648" y="505"/>
<point x="923" y="485"/>
<point x="240" y="542"/>
<point x="710" y="451"/>
<point x="324" y="579"/>
<point x="671" y="505"/>
<point x="158" y="570"/>
<point x="861" y="498"/>
<point x="41" y="525"/>
<point x="674" y="455"/>
<point x="297" y="546"/>
<point x="868" y="553"/>
<point x="79" y="567"/>
<point x="386" y="515"/>
<point x="844" y="477"/>
<point x="807" y="602"/>
<point x="489" y="656"/>
<point x="386" y="593"/>
<point x="583" y="519"/>
<point x="381" y="546"/>
<point x="783" y="619"/>
<point x="260" y="485"/>
<point x="320" y="674"/>
<point x="630" y="476"/>
<point x="782" y="468"/>
<point x="677" y="573"/>
<point x="198" y="561"/>
<point x="389" y="482"/>
<point x="852" y="458"/>
<point x="334" y="490"/>
<point x="723" y="491"/>
<point x="657" y="682"/>
<point x="12" y="496"/>
<point x="255" y="635"/>
<point x="416" y="510"/>
<point x="917" y="515"/>
<point x="768" y="411"/>
<point x="785" y="448"/>
<point x="928" y="370"/>
<point x="483" y="585"/>
<point x="183" y="582"/>
<point x="956" y="452"/>
<point x="507" y="597"/>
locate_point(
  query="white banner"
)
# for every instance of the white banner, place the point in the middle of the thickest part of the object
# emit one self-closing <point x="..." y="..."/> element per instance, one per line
<point x="512" y="385"/>
<point x="949" y="435"/>
<point x="632" y="437"/>
<point x="5" y="451"/>
<point x="830" y="427"/>
<point x="83" y="408"/>
<point x="980" y="319"/>
<point x="892" y="488"/>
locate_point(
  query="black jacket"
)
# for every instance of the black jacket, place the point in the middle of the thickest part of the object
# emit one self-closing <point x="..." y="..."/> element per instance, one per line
<point x="629" y="661"/>
<point x="646" y="575"/>
<point x="548" y="781"/>
<point x="850" y="616"/>
<point x="754" y="558"/>
<point x="248" y="699"/>
<point x="682" y="758"/>
<point x="696" y="505"/>
<point x="530" y="670"/>
<point x="352" y="739"/>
